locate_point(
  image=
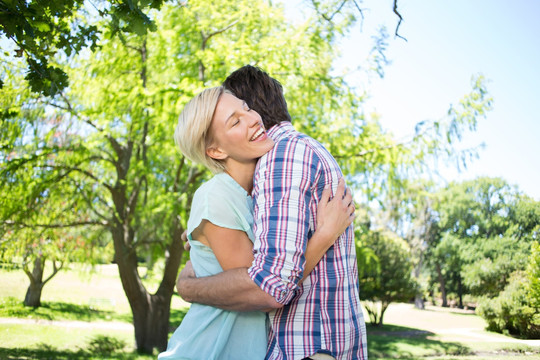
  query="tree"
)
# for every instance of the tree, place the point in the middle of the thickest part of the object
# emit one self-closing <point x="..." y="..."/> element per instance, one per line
<point x="533" y="280"/>
<point x="30" y="195"/>
<point x="485" y="230"/>
<point x="516" y="308"/>
<point x="42" y="29"/>
<point x="121" y="106"/>
<point x="392" y="280"/>
<point x="123" y="100"/>
<point x="511" y="310"/>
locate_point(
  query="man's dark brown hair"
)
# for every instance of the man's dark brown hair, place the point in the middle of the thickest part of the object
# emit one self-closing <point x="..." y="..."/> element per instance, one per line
<point x="261" y="92"/>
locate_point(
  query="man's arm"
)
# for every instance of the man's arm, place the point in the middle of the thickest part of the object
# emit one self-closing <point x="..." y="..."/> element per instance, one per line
<point x="230" y="290"/>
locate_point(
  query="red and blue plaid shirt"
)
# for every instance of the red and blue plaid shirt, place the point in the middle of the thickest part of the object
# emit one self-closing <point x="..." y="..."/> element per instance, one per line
<point x="323" y="314"/>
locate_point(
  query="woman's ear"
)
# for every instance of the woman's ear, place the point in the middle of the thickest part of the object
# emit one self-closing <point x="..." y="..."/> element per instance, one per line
<point x="216" y="153"/>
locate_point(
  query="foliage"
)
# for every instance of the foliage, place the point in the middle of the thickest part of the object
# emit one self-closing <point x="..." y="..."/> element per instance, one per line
<point x="533" y="277"/>
<point x="43" y="30"/>
<point x="391" y="281"/>
<point x="118" y="166"/>
<point x="484" y="232"/>
<point x="511" y="312"/>
<point x="96" y="165"/>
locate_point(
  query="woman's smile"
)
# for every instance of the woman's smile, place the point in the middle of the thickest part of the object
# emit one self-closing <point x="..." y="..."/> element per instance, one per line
<point x="237" y="131"/>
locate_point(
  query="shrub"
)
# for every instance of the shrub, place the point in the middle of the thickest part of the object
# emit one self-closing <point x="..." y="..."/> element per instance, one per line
<point x="105" y="345"/>
<point x="511" y="312"/>
<point x="533" y="276"/>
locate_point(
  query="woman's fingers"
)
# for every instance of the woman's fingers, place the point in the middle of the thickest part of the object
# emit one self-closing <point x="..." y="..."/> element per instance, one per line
<point x="325" y="197"/>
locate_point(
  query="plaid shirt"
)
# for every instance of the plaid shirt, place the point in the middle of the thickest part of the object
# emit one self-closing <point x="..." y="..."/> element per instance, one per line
<point x="324" y="312"/>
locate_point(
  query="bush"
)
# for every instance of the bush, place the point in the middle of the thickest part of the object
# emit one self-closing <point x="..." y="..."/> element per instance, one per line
<point x="533" y="276"/>
<point x="511" y="312"/>
<point x="105" y="345"/>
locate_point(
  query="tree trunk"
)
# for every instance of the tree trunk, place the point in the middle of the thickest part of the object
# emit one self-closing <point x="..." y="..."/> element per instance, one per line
<point x="419" y="301"/>
<point x="418" y="297"/>
<point x="152" y="325"/>
<point x="33" y="293"/>
<point x="373" y="312"/>
<point x="384" y="306"/>
<point x="150" y="312"/>
<point x="442" y="284"/>
<point x="460" y="291"/>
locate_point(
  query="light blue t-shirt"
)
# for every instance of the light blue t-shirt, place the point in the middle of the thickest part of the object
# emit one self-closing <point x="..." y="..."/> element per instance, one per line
<point x="207" y="332"/>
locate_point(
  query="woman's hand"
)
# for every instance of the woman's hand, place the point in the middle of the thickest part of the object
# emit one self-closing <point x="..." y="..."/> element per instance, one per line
<point x="334" y="216"/>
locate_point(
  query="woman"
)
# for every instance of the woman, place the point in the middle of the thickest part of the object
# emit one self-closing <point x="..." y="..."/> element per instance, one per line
<point x="218" y="130"/>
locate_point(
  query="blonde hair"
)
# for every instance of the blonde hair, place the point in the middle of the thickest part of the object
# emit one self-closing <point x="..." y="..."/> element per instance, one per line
<point x="191" y="134"/>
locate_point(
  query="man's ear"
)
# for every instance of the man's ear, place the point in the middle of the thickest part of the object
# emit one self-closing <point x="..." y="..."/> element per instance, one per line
<point x="216" y="153"/>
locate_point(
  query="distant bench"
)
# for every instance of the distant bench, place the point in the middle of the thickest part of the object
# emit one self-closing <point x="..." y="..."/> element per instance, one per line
<point x="101" y="303"/>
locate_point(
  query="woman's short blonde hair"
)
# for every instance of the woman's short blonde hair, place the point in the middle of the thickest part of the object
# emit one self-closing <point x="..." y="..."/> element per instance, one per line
<point x="191" y="134"/>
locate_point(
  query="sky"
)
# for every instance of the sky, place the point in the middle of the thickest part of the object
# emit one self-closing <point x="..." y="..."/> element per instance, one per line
<point x="449" y="41"/>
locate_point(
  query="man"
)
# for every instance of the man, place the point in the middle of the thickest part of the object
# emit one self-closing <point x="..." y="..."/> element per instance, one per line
<point x="320" y="318"/>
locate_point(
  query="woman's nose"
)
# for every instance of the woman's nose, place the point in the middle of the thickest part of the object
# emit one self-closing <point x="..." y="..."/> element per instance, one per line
<point x="254" y="120"/>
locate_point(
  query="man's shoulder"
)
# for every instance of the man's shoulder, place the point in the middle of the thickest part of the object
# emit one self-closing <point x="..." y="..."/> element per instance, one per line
<point x="297" y="139"/>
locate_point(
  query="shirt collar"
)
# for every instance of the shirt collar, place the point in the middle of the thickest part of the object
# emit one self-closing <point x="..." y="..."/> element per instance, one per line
<point x="276" y="132"/>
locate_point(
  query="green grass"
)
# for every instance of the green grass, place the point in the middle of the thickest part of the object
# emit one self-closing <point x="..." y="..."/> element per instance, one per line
<point x="99" y="288"/>
<point x="60" y="337"/>
<point x="399" y="342"/>
<point x="44" y="351"/>
<point x="12" y="307"/>
<point x="437" y="333"/>
<point x="81" y="312"/>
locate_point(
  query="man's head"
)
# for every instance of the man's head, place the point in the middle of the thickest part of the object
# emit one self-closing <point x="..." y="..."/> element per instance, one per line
<point x="261" y="92"/>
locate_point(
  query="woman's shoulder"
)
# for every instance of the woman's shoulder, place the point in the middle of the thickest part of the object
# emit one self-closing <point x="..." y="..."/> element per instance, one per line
<point x="220" y="186"/>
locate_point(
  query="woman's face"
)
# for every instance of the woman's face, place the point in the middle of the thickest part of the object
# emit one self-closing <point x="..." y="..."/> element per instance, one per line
<point x="237" y="132"/>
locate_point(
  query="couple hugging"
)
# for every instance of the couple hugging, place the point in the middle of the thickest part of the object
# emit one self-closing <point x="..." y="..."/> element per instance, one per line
<point x="273" y="272"/>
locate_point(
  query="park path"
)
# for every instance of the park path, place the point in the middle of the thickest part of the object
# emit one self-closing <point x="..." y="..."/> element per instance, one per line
<point x="106" y="325"/>
<point x="451" y="324"/>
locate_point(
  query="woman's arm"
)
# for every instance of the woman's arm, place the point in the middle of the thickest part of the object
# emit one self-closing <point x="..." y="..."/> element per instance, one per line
<point x="232" y="248"/>
<point x="333" y="218"/>
<point x="231" y="289"/>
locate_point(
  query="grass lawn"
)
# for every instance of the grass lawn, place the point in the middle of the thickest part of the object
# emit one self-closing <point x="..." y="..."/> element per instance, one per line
<point x="437" y="333"/>
<point x="85" y="315"/>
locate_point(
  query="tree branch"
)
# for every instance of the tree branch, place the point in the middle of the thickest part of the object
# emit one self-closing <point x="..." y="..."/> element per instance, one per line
<point x="82" y="171"/>
<point x="361" y="13"/>
<point x="21" y="224"/>
<point x="56" y="269"/>
<point x="178" y="173"/>
<point x="370" y="151"/>
<point x="399" y="22"/>
<point x="90" y="205"/>
<point x="217" y="32"/>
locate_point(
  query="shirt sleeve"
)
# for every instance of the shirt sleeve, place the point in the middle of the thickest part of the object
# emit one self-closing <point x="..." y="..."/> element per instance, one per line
<point x="283" y="193"/>
<point x="221" y="206"/>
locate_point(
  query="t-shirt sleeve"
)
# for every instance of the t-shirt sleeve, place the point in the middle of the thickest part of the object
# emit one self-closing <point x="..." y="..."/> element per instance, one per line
<point x="218" y="206"/>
